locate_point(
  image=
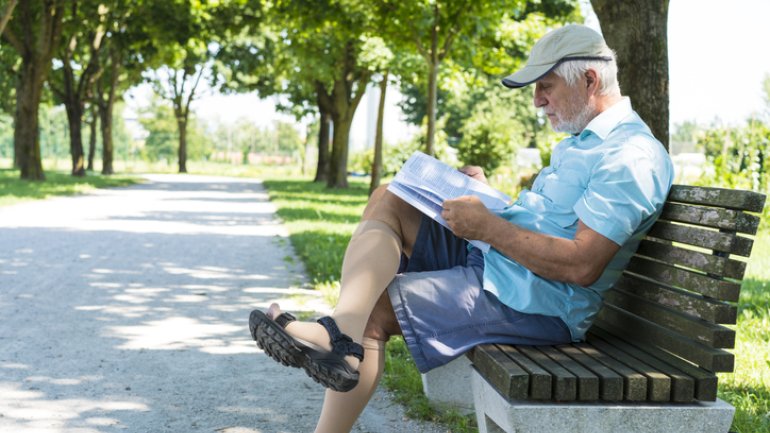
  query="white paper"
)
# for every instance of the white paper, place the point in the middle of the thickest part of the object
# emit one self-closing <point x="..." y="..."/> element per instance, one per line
<point x="425" y="182"/>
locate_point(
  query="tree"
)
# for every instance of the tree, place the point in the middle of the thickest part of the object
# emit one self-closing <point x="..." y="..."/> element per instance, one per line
<point x="179" y="86"/>
<point x="34" y="33"/>
<point x="198" y="31"/>
<point x="321" y="49"/>
<point x="79" y="53"/>
<point x="638" y="31"/>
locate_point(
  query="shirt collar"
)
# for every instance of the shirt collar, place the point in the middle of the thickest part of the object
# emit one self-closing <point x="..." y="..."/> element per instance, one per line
<point x="606" y="121"/>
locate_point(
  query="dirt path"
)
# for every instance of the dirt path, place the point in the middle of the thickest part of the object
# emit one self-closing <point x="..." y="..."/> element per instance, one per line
<point x="126" y="311"/>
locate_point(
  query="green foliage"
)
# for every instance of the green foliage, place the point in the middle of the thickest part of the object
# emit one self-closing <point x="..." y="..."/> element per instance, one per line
<point x="501" y="123"/>
<point x="738" y="156"/>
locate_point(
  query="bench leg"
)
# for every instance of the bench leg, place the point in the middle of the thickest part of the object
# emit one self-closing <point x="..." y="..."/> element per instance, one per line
<point x="488" y="410"/>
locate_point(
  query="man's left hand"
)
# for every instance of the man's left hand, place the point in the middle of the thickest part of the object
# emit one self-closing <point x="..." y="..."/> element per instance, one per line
<point x="466" y="216"/>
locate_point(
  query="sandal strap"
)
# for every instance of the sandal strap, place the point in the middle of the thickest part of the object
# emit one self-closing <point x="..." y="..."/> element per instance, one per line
<point x="342" y="344"/>
<point x="284" y="319"/>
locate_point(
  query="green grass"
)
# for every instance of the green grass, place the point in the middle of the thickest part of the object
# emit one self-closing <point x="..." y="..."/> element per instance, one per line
<point x="14" y="190"/>
<point x="748" y="388"/>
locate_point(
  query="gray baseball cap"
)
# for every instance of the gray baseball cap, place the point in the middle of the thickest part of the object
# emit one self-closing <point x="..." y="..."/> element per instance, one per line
<point x="571" y="42"/>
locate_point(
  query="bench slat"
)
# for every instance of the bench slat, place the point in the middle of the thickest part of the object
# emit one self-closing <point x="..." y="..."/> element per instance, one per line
<point x="728" y="198"/>
<point x="633" y="327"/>
<point x="634" y="383"/>
<point x="564" y="383"/>
<point x="540" y="381"/>
<point x="686" y="302"/>
<point x="503" y="373"/>
<point x="705" y="381"/>
<point x="587" y="382"/>
<point x="708" y="216"/>
<point x="682" y="385"/>
<point x="718" y="289"/>
<point x="696" y="329"/>
<point x="610" y="382"/>
<point x="658" y="384"/>
<point x="701" y="261"/>
<point x="709" y="239"/>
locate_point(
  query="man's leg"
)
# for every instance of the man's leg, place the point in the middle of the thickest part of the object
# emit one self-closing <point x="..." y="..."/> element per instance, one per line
<point x="388" y="227"/>
<point x="341" y="409"/>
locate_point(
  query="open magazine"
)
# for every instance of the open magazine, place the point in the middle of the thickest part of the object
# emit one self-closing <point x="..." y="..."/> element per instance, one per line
<point x="425" y="182"/>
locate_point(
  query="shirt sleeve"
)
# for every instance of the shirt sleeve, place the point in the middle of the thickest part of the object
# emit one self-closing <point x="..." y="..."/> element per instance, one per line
<point x="627" y="187"/>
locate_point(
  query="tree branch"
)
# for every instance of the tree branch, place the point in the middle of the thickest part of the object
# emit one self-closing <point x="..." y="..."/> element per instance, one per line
<point x="7" y="14"/>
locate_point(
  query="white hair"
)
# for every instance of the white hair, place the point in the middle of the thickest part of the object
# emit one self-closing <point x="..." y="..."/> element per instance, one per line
<point x="572" y="70"/>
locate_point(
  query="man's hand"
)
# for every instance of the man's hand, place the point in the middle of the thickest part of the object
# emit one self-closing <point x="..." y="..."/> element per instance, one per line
<point x="466" y="216"/>
<point x="475" y="172"/>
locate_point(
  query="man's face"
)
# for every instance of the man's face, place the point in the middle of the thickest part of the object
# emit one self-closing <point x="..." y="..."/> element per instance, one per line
<point x="568" y="108"/>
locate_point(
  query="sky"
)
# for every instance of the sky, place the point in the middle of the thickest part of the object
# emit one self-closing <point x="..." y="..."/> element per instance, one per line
<point x="717" y="62"/>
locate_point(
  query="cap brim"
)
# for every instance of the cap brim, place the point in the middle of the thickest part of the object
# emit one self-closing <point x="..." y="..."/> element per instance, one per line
<point x="527" y="75"/>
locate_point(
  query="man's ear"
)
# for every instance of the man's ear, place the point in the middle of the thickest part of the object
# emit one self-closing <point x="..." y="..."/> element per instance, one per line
<point x="592" y="80"/>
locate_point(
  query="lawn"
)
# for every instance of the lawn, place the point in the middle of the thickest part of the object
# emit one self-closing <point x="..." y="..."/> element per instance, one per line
<point x="57" y="183"/>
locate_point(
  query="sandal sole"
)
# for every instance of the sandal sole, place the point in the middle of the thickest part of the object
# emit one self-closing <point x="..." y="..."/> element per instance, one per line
<point x="275" y="342"/>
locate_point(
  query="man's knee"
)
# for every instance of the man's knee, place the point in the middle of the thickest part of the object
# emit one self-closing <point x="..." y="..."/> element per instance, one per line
<point x="382" y="322"/>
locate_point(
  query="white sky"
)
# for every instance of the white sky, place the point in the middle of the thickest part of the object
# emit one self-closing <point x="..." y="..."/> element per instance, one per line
<point x="717" y="62"/>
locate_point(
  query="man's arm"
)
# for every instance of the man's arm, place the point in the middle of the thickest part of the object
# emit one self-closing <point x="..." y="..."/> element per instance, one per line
<point x="580" y="260"/>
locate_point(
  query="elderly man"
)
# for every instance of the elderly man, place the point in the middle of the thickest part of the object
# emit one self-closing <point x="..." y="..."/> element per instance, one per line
<point x="555" y="250"/>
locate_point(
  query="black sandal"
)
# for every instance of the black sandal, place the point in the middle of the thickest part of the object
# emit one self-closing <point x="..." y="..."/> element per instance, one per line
<point x="327" y="368"/>
<point x="330" y="368"/>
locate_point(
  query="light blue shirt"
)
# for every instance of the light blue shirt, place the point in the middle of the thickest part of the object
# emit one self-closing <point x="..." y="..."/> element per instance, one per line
<point x="614" y="177"/>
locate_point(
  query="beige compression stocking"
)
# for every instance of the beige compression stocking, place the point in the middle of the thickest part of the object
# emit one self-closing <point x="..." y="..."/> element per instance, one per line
<point x="341" y="409"/>
<point x="371" y="260"/>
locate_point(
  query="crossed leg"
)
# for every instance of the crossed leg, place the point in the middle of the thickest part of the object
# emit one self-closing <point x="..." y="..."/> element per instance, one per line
<point x="389" y="227"/>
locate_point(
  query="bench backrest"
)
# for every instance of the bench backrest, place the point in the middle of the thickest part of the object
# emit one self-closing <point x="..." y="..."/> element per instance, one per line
<point x="682" y="285"/>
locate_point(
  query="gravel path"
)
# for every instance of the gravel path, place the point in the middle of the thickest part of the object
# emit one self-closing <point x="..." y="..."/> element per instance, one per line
<point x="126" y="310"/>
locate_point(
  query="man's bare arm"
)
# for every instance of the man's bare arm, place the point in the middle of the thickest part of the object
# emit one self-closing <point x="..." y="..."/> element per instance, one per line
<point x="579" y="261"/>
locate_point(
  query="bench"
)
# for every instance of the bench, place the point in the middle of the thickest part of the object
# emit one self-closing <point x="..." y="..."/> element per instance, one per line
<point x="650" y="361"/>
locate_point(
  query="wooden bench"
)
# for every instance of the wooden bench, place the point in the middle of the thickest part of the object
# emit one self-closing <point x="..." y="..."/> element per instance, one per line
<point x="661" y="336"/>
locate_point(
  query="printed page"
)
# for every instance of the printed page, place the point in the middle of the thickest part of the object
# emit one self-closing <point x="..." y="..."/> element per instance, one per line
<point x="425" y="182"/>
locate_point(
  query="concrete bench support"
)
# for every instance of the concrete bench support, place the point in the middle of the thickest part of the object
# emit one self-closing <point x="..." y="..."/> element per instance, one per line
<point x="449" y="386"/>
<point x="495" y="414"/>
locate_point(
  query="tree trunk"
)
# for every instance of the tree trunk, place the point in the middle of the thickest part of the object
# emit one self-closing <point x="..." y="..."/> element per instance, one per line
<point x="377" y="163"/>
<point x="74" y="107"/>
<point x="74" y="119"/>
<point x="430" y="139"/>
<point x="105" y="112"/>
<point x="105" y="116"/>
<point x="26" y="135"/>
<point x="34" y="34"/>
<point x="338" y="169"/>
<point x="322" y="168"/>
<point x="182" y="154"/>
<point x="92" y="138"/>
<point x="638" y="32"/>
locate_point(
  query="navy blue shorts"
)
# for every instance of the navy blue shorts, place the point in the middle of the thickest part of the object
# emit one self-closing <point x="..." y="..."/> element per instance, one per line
<point x="443" y="309"/>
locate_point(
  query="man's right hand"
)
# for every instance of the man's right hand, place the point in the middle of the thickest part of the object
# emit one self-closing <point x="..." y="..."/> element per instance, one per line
<point x="474" y="171"/>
